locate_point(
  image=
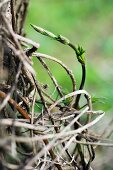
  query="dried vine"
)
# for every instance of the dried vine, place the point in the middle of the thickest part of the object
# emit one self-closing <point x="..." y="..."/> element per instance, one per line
<point x="45" y="138"/>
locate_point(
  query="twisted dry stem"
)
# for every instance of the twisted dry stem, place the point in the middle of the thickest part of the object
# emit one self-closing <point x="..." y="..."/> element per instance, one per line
<point x="69" y="72"/>
<point x="55" y="133"/>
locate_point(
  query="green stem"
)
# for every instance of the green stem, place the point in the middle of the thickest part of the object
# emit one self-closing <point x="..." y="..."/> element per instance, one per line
<point x="79" y="54"/>
<point x="76" y="104"/>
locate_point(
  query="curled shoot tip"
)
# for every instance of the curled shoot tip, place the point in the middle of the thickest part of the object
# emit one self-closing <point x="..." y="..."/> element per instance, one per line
<point x="79" y="51"/>
<point x="44" y="32"/>
<point x="59" y="38"/>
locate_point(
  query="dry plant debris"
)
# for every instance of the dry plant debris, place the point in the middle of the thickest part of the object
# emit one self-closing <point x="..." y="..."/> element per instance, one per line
<point x="47" y="139"/>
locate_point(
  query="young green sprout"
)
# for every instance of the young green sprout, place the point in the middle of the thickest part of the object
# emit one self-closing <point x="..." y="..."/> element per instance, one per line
<point x="44" y="32"/>
<point x="79" y="54"/>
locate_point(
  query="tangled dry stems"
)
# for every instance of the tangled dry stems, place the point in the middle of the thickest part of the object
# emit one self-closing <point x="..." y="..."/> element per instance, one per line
<point x="45" y="139"/>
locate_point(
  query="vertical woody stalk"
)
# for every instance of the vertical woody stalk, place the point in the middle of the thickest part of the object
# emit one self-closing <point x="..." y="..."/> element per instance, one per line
<point x="4" y="10"/>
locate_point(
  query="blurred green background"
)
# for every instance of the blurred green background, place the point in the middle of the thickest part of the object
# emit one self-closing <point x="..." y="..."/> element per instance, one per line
<point x="87" y="23"/>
